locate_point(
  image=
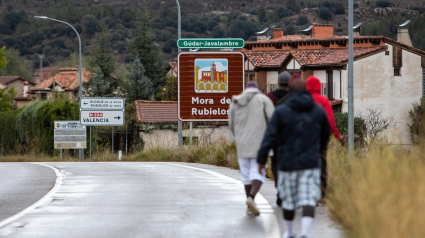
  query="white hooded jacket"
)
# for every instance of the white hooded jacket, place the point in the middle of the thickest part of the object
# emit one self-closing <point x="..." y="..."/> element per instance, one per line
<point x="249" y="114"/>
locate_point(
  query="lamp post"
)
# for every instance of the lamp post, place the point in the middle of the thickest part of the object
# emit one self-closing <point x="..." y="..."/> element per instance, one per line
<point x="179" y="35"/>
<point x="79" y="49"/>
<point x="350" y="79"/>
<point x="80" y="68"/>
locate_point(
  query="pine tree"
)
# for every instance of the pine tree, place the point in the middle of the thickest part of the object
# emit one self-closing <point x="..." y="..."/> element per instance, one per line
<point x="169" y="92"/>
<point x="97" y="86"/>
<point x="103" y="59"/>
<point x="141" y="87"/>
<point x="144" y="49"/>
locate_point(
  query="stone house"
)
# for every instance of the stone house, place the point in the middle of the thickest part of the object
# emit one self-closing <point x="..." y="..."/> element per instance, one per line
<point x="66" y="81"/>
<point x="160" y="120"/>
<point x="389" y="75"/>
<point x="21" y="85"/>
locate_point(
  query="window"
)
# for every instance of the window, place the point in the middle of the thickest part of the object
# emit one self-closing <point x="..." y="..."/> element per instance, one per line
<point x="397" y="71"/>
<point x="325" y="89"/>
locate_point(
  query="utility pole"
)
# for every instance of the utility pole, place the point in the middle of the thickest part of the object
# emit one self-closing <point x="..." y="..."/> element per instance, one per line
<point x="350" y="79"/>
<point x="41" y="68"/>
<point x="179" y="35"/>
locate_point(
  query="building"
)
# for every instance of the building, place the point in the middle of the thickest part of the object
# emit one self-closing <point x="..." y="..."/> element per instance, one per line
<point x="213" y="75"/>
<point x="160" y="120"/>
<point x="389" y="75"/>
<point x="172" y="69"/>
<point x="66" y="81"/>
<point x="47" y="73"/>
<point x="2" y="86"/>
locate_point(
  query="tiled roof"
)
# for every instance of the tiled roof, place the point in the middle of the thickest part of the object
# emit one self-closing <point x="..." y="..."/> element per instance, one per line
<point x="330" y="56"/>
<point x="45" y="70"/>
<point x="8" y="79"/>
<point x="67" y="79"/>
<point x="296" y="39"/>
<point x="173" y="65"/>
<point x="319" y="57"/>
<point x="267" y="58"/>
<point x="158" y="111"/>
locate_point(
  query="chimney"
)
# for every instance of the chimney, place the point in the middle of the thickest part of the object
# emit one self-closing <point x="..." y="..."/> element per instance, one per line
<point x="25" y="88"/>
<point x="261" y="37"/>
<point x="356" y="30"/>
<point x="277" y="33"/>
<point x="322" y="31"/>
<point x="403" y="34"/>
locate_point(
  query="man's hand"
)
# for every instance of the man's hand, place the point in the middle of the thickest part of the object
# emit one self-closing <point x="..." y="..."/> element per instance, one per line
<point x="261" y="167"/>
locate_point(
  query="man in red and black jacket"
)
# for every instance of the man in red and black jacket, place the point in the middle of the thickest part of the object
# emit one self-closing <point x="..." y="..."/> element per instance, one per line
<point x="314" y="87"/>
<point x="275" y="96"/>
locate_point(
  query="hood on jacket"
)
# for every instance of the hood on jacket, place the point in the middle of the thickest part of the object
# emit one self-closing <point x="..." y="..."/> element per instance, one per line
<point x="300" y="101"/>
<point x="314" y="86"/>
<point x="245" y="97"/>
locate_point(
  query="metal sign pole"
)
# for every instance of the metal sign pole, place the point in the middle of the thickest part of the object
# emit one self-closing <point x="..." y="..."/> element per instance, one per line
<point x="180" y="131"/>
<point x="126" y="148"/>
<point x="191" y="133"/>
<point x="350" y="79"/>
<point x="61" y="154"/>
<point x="90" y="143"/>
<point x="112" y="140"/>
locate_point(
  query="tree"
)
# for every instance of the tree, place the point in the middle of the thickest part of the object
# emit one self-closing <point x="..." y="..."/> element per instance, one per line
<point x="97" y="86"/>
<point x="102" y="58"/>
<point x="144" y="49"/>
<point x="262" y="14"/>
<point x="89" y="23"/>
<point x="141" y="86"/>
<point x="417" y="127"/>
<point x="302" y="20"/>
<point x="325" y="14"/>
<point x="3" y="59"/>
<point x="6" y="98"/>
<point x="17" y="65"/>
<point x="376" y="123"/>
<point x="242" y="29"/>
<point x="169" y="92"/>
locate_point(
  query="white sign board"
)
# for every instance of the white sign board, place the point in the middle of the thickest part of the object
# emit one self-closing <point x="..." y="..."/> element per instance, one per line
<point x="102" y="118"/>
<point x="102" y="104"/>
<point x="70" y="135"/>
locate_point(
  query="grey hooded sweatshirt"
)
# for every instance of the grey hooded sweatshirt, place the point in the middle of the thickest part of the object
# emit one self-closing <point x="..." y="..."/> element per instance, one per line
<point x="249" y="114"/>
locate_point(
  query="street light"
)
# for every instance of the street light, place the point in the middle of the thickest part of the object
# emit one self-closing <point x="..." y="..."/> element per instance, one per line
<point x="79" y="42"/>
<point x="81" y="151"/>
<point x="179" y="23"/>
<point x="350" y="79"/>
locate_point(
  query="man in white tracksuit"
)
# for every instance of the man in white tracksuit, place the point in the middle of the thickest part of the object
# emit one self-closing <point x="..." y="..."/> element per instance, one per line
<point x="249" y="114"/>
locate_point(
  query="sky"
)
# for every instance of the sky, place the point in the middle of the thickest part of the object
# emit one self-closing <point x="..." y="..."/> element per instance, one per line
<point x="205" y="65"/>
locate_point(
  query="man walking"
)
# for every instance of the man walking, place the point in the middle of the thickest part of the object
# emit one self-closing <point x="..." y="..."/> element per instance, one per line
<point x="301" y="129"/>
<point x="275" y="96"/>
<point x="314" y="87"/>
<point x="249" y="114"/>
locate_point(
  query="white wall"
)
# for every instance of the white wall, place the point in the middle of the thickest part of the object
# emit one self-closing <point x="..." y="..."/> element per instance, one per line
<point x="293" y="64"/>
<point x="169" y="138"/>
<point x="376" y="86"/>
<point x="271" y="79"/>
<point x="248" y="65"/>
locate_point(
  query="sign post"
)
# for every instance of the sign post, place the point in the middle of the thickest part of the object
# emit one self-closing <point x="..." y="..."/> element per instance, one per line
<point x="206" y="82"/>
<point x="69" y="135"/>
<point x="102" y="112"/>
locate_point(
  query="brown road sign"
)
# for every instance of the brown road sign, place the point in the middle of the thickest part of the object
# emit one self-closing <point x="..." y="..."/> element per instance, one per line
<point x="207" y="82"/>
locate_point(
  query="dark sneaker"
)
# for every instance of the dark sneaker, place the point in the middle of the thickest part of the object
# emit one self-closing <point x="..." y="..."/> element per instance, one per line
<point x="278" y="201"/>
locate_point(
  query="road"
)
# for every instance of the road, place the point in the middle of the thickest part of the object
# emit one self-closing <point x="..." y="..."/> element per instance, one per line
<point x="139" y="200"/>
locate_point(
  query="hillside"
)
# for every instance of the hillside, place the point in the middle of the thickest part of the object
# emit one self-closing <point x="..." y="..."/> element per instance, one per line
<point x="208" y="18"/>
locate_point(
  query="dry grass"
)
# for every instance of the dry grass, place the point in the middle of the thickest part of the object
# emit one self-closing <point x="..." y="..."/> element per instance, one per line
<point x="378" y="194"/>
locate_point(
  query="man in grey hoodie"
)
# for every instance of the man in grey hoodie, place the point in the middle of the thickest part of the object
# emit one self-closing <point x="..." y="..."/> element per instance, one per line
<point x="249" y="114"/>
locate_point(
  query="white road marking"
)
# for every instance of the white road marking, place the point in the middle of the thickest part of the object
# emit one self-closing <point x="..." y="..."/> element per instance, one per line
<point x="43" y="200"/>
<point x="269" y="219"/>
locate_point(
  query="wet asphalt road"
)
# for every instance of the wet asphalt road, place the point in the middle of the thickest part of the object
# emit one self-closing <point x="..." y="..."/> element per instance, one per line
<point x="123" y="199"/>
<point x="136" y="200"/>
<point x="22" y="184"/>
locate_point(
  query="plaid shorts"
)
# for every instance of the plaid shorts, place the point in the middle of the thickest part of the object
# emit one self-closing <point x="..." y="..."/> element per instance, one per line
<point x="299" y="188"/>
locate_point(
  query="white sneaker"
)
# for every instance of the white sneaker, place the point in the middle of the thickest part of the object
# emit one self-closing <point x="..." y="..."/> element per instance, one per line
<point x="287" y="236"/>
<point x="251" y="205"/>
<point x="248" y="212"/>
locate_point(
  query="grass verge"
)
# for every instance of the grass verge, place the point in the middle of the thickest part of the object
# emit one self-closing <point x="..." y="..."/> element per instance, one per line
<point x="378" y="194"/>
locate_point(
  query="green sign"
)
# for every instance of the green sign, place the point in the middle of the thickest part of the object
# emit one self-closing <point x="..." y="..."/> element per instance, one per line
<point x="193" y="43"/>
